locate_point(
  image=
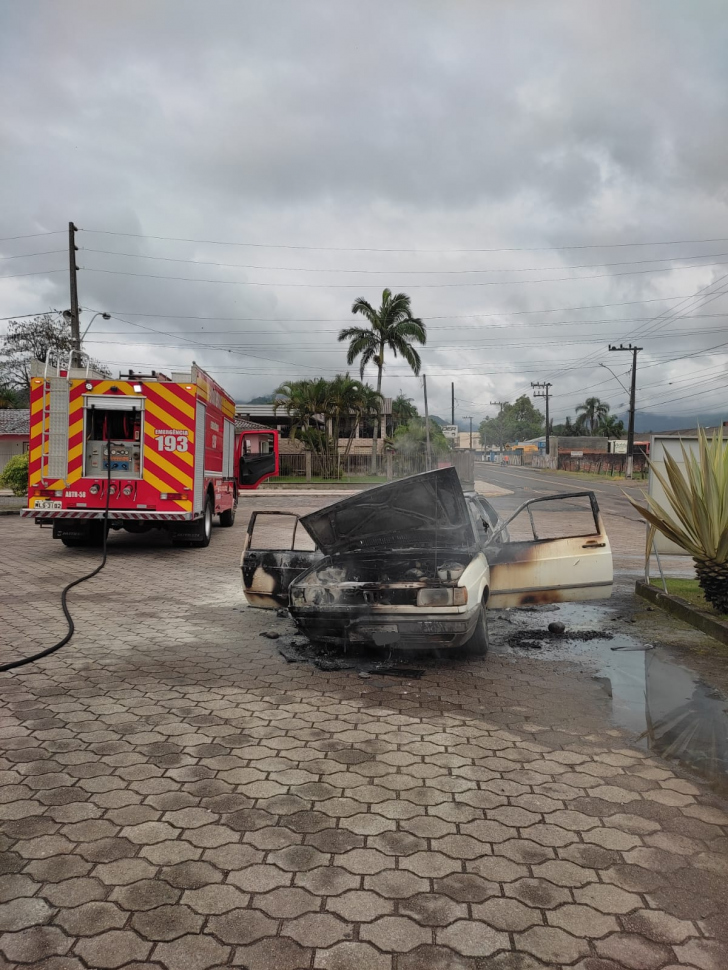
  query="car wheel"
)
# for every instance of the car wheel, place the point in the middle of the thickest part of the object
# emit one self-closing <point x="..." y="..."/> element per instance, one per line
<point x="477" y="645"/>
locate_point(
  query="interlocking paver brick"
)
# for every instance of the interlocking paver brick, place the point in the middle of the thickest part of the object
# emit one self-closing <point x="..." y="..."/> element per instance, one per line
<point x="317" y="930"/>
<point x="242" y="926"/>
<point x="705" y="954"/>
<point x="630" y="950"/>
<point x="607" y="899"/>
<point x="582" y="921"/>
<point x="113" y="949"/>
<point x="286" y="903"/>
<point x="359" y="905"/>
<point x="538" y="892"/>
<point x="280" y="953"/>
<point x="433" y="909"/>
<point x="166" y="922"/>
<point x="192" y="952"/>
<point x="351" y="956"/>
<point x="552" y="945"/>
<point x="395" y="934"/>
<point x="466" y="887"/>
<point x="34" y="944"/>
<point x="22" y="912"/>
<point x="472" y="938"/>
<point x="145" y="894"/>
<point x="328" y="880"/>
<point x="91" y="919"/>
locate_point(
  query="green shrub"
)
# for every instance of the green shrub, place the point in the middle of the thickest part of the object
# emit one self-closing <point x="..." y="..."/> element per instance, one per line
<point x="15" y="474"/>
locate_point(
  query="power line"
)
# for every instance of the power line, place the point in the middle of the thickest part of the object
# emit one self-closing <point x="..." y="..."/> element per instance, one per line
<point x="371" y="249"/>
<point x="33" y="235"/>
<point x="411" y="286"/>
<point x="406" y="272"/>
<point x="46" y="272"/>
<point x="46" y="252"/>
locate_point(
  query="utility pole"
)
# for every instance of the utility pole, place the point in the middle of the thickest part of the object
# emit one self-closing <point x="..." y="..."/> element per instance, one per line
<point x="73" y="269"/>
<point x="427" y="426"/>
<point x="470" y="418"/>
<point x="452" y="403"/>
<point x="543" y="391"/>
<point x="632" y="393"/>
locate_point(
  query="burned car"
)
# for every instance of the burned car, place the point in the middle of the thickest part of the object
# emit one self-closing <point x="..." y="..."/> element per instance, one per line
<point x="417" y="562"/>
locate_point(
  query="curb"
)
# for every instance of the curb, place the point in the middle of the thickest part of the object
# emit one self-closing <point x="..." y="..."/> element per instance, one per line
<point x="718" y="629"/>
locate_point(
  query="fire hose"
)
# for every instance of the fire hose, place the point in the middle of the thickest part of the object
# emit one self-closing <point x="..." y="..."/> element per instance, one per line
<point x="76" y="582"/>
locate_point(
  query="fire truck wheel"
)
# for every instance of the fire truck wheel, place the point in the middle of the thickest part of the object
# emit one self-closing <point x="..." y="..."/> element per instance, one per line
<point x="204" y="526"/>
<point x="227" y="518"/>
<point x="73" y="541"/>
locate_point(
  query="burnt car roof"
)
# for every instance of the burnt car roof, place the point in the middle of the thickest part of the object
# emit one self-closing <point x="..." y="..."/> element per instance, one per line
<point x="423" y="512"/>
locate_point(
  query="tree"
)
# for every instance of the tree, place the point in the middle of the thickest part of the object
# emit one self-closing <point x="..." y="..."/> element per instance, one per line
<point x="411" y="439"/>
<point x="45" y="337"/>
<point x="610" y="426"/>
<point x="403" y="410"/>
<point x="593" y="411"/>
<point x="565" y="430"/>
<point x="9" y="398"/>
<point x="15" y="474"/>
<point x="516" y="422"/>
<point x="317" y="407"/>
<point x="391" y="327"/>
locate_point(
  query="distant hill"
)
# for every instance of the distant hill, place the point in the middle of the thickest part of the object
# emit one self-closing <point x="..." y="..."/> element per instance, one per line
<point x="462" y="425"/>
<point x="650" y="421"/>
<point x="263" y="399"/>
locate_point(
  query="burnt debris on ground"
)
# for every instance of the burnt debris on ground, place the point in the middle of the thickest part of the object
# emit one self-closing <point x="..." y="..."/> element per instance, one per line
<point x="535" y="639"/>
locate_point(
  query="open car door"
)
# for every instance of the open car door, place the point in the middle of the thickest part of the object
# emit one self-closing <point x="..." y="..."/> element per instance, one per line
<point x="557" y="551"/>
<point x="276" y="551"/>
<point x="256" y="457"/>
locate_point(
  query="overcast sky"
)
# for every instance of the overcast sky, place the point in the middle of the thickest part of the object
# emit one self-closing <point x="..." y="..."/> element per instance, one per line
<point x="325" y="150"/>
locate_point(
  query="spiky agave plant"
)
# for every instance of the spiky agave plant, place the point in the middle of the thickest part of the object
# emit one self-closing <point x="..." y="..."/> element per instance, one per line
<point x="697" y="517"/>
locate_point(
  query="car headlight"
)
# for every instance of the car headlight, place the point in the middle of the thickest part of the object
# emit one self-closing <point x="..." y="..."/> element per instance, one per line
<point x="443" y="596"/>
<point x="314" y="596"/>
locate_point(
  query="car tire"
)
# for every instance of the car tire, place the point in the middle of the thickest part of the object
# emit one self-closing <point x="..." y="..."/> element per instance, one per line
<point x="477" y="645"/>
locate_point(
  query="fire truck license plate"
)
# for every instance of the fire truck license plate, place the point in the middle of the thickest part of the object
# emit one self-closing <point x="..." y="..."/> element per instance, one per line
<point x="47" y="504"/>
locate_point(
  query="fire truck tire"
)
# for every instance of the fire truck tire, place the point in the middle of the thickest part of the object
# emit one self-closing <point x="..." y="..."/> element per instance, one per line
<point x="204" y="526"/>
<point x="73" y="541"/>
<point x="227" y="518"/>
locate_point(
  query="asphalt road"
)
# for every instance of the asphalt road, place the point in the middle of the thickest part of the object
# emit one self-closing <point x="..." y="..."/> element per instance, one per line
<point x="528" y="483"/>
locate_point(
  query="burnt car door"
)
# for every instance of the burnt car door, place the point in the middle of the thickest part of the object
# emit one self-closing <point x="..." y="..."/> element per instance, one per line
<point x="276" y="551"/>
<point x="557" y="551"/>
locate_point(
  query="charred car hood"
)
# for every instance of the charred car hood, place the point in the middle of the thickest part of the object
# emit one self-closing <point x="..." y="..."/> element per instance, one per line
<point x="426" y="511"/>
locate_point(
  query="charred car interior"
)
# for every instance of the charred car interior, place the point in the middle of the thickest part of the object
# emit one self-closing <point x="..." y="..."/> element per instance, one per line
<point x="417" y="562"/>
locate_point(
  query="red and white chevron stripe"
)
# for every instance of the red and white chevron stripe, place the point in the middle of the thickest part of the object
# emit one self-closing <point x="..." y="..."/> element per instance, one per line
<point x="114" y="514"/>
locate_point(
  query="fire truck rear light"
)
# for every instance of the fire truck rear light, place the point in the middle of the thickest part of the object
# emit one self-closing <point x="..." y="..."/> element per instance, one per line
<point x="174" y="496"/>
<point x="89" y="386"/>
<point x="95" y="488"/>
<point x="137" y="388"/>
<point x="49" y="492"/>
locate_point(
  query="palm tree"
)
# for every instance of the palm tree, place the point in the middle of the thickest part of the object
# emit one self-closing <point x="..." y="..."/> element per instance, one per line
<point x="593" y="410"/>
<point x="391" y="327"/>
<point x="610" y="426"/>
<point x="403" y="410"/>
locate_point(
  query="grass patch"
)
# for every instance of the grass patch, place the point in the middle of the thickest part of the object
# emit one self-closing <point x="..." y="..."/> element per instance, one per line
<point x="690" y="591"/>
<point x="317" y="480"/>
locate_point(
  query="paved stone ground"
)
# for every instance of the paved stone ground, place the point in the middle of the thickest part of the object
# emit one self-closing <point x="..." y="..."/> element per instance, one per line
<point x="175" y="796"/>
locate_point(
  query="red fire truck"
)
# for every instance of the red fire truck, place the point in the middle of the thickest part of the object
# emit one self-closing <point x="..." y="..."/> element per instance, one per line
<point x="170" y="441"/>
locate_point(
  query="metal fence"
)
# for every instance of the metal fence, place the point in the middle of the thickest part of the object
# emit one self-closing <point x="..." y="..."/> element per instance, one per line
<point x="303" y="465"/>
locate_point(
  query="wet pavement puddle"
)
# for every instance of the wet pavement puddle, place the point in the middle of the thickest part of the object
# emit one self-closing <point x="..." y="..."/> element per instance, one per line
<point x="666" y="705"/>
